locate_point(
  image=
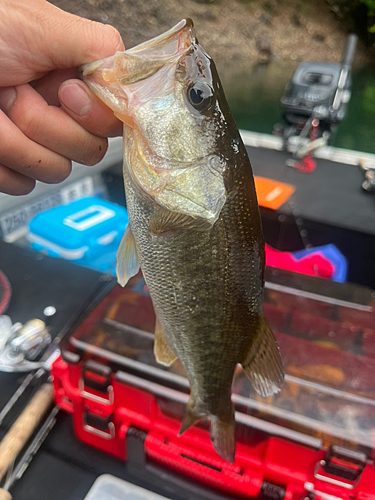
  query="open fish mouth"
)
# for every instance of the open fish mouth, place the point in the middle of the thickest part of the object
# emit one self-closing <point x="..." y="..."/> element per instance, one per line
<point x="174" y="41"/>
<point x="108" y="76"/>
<point x="167" y="46"/>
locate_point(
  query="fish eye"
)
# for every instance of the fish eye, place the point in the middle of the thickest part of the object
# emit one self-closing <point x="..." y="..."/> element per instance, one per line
<point x="201" y="96"/>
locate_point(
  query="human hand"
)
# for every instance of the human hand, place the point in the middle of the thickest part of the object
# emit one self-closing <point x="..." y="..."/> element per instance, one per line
<point x="47" y="116"/>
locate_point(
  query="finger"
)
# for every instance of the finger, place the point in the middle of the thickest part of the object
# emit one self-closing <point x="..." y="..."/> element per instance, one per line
<point x="49" y="85"/>
<point x="26" y="157"/>
<point x="52" y="128"/>
<point x="13" y="183"/>
<point x="49" y="38"/>
<point x="79" y="40"/>
<point x="78" y="100"/>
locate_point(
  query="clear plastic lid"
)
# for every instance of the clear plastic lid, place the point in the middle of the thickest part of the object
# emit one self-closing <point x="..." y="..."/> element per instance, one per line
<point x="326" y="334"/>
<point x="108" y="487"/>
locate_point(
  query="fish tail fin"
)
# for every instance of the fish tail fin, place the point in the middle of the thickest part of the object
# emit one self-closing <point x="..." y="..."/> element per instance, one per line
<point x="222" y="437"/>
<point x="263" y="364"/>
<point x="222" y="430"/>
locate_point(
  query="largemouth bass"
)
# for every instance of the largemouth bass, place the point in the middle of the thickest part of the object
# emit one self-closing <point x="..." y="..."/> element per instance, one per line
<point x="195" y="229"/>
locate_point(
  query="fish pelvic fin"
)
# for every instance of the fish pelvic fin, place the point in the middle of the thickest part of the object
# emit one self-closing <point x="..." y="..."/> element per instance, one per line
<point x="127" y="258"/>
<point x="163" y="351"/>
<point x="222" y="429"/>
<point x="263" y="364"/>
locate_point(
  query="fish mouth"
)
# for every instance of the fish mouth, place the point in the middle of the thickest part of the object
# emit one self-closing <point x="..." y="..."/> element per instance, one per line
<point x="172" y="42"/>
<point x="168" y="45"/>
<point x="108" y="78"/>
<point x="111" y="78"/>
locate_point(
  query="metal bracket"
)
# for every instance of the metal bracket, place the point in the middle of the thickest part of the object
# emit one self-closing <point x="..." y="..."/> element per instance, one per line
<point x="105" y="435"/>
<point x="93" y="397"/>
<point x="98" y="425"/>
<point x="104" y="386"/>
<point x="342" y="467"/>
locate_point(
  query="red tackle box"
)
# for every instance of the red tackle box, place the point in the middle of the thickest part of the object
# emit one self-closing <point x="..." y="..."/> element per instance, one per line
<point x="313" y="440"/>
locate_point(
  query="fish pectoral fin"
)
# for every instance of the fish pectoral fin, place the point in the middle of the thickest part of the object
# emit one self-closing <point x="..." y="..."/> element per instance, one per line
<point x="164" y="353"/>
<point x="127" y="258"/>
<point x="163" y="222"/>
<point x="263" y="364"/>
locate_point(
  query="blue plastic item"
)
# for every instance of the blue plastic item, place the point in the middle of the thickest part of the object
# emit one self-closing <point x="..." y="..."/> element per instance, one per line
<point x="87" y="231"/>
<point x="333" y="254"/>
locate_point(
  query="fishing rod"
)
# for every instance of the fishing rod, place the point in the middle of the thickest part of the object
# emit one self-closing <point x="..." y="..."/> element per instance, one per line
<point x="29" y="454"/>
<point x="21" y="431"/>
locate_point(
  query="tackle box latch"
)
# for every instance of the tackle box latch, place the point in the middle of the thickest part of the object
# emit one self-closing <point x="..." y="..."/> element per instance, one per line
<point x="98" y="425"/>
<point x="135" y="447"/>
<point x="95" y="383"/>
<point x="341" y="466"/>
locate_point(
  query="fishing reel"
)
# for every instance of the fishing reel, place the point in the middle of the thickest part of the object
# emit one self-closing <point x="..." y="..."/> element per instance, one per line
<point x="20" y="345"/>
<point x="369" y="173"/>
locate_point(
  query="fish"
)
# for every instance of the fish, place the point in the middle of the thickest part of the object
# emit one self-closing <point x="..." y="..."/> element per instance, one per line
<point x="194" y="224"/>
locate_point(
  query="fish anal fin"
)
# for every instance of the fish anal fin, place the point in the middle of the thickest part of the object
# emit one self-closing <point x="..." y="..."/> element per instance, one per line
<point x="263" y="364"/>
<point x="164" y="353"/>
<point x="163" y="222"/>
<point x="127" y="259"/>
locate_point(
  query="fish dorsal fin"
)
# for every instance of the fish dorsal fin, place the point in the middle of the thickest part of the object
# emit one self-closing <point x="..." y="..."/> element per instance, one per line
<point x="263" y="364"/>
<point x="163" y="222"/>
<point x="127" y="258"/>
<point x="164" y="353"/>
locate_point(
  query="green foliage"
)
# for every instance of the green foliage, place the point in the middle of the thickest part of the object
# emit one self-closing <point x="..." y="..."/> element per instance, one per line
<point x="370" y="6"/>
<point x="357" y="130"/>
<point x="358" y="15"/>
<point x="369" y="98"/>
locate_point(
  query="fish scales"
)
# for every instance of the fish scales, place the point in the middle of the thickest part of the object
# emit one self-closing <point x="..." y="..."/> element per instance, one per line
<point x="195" y="229"/>
<point x="209" y="305"/>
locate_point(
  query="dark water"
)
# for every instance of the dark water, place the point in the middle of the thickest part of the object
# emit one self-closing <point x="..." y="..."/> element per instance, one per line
<point x="254" y="98"/>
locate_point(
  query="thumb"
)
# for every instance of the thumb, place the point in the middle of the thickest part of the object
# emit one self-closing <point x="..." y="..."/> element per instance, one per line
<point x="75" y="40"/>
<point x="36" y="37"/>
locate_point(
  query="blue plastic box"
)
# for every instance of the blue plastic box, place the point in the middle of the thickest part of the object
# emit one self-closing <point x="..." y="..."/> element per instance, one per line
<point x="87" y="231"/>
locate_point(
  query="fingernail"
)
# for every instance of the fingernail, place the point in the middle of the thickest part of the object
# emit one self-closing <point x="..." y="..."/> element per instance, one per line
<point x="120" y="47"/>
<point x="74" y="97"/>
<point x="7" y="97"/>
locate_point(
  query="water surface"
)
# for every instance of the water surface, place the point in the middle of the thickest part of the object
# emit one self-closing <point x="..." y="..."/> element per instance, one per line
<point x="254" y="97"/>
